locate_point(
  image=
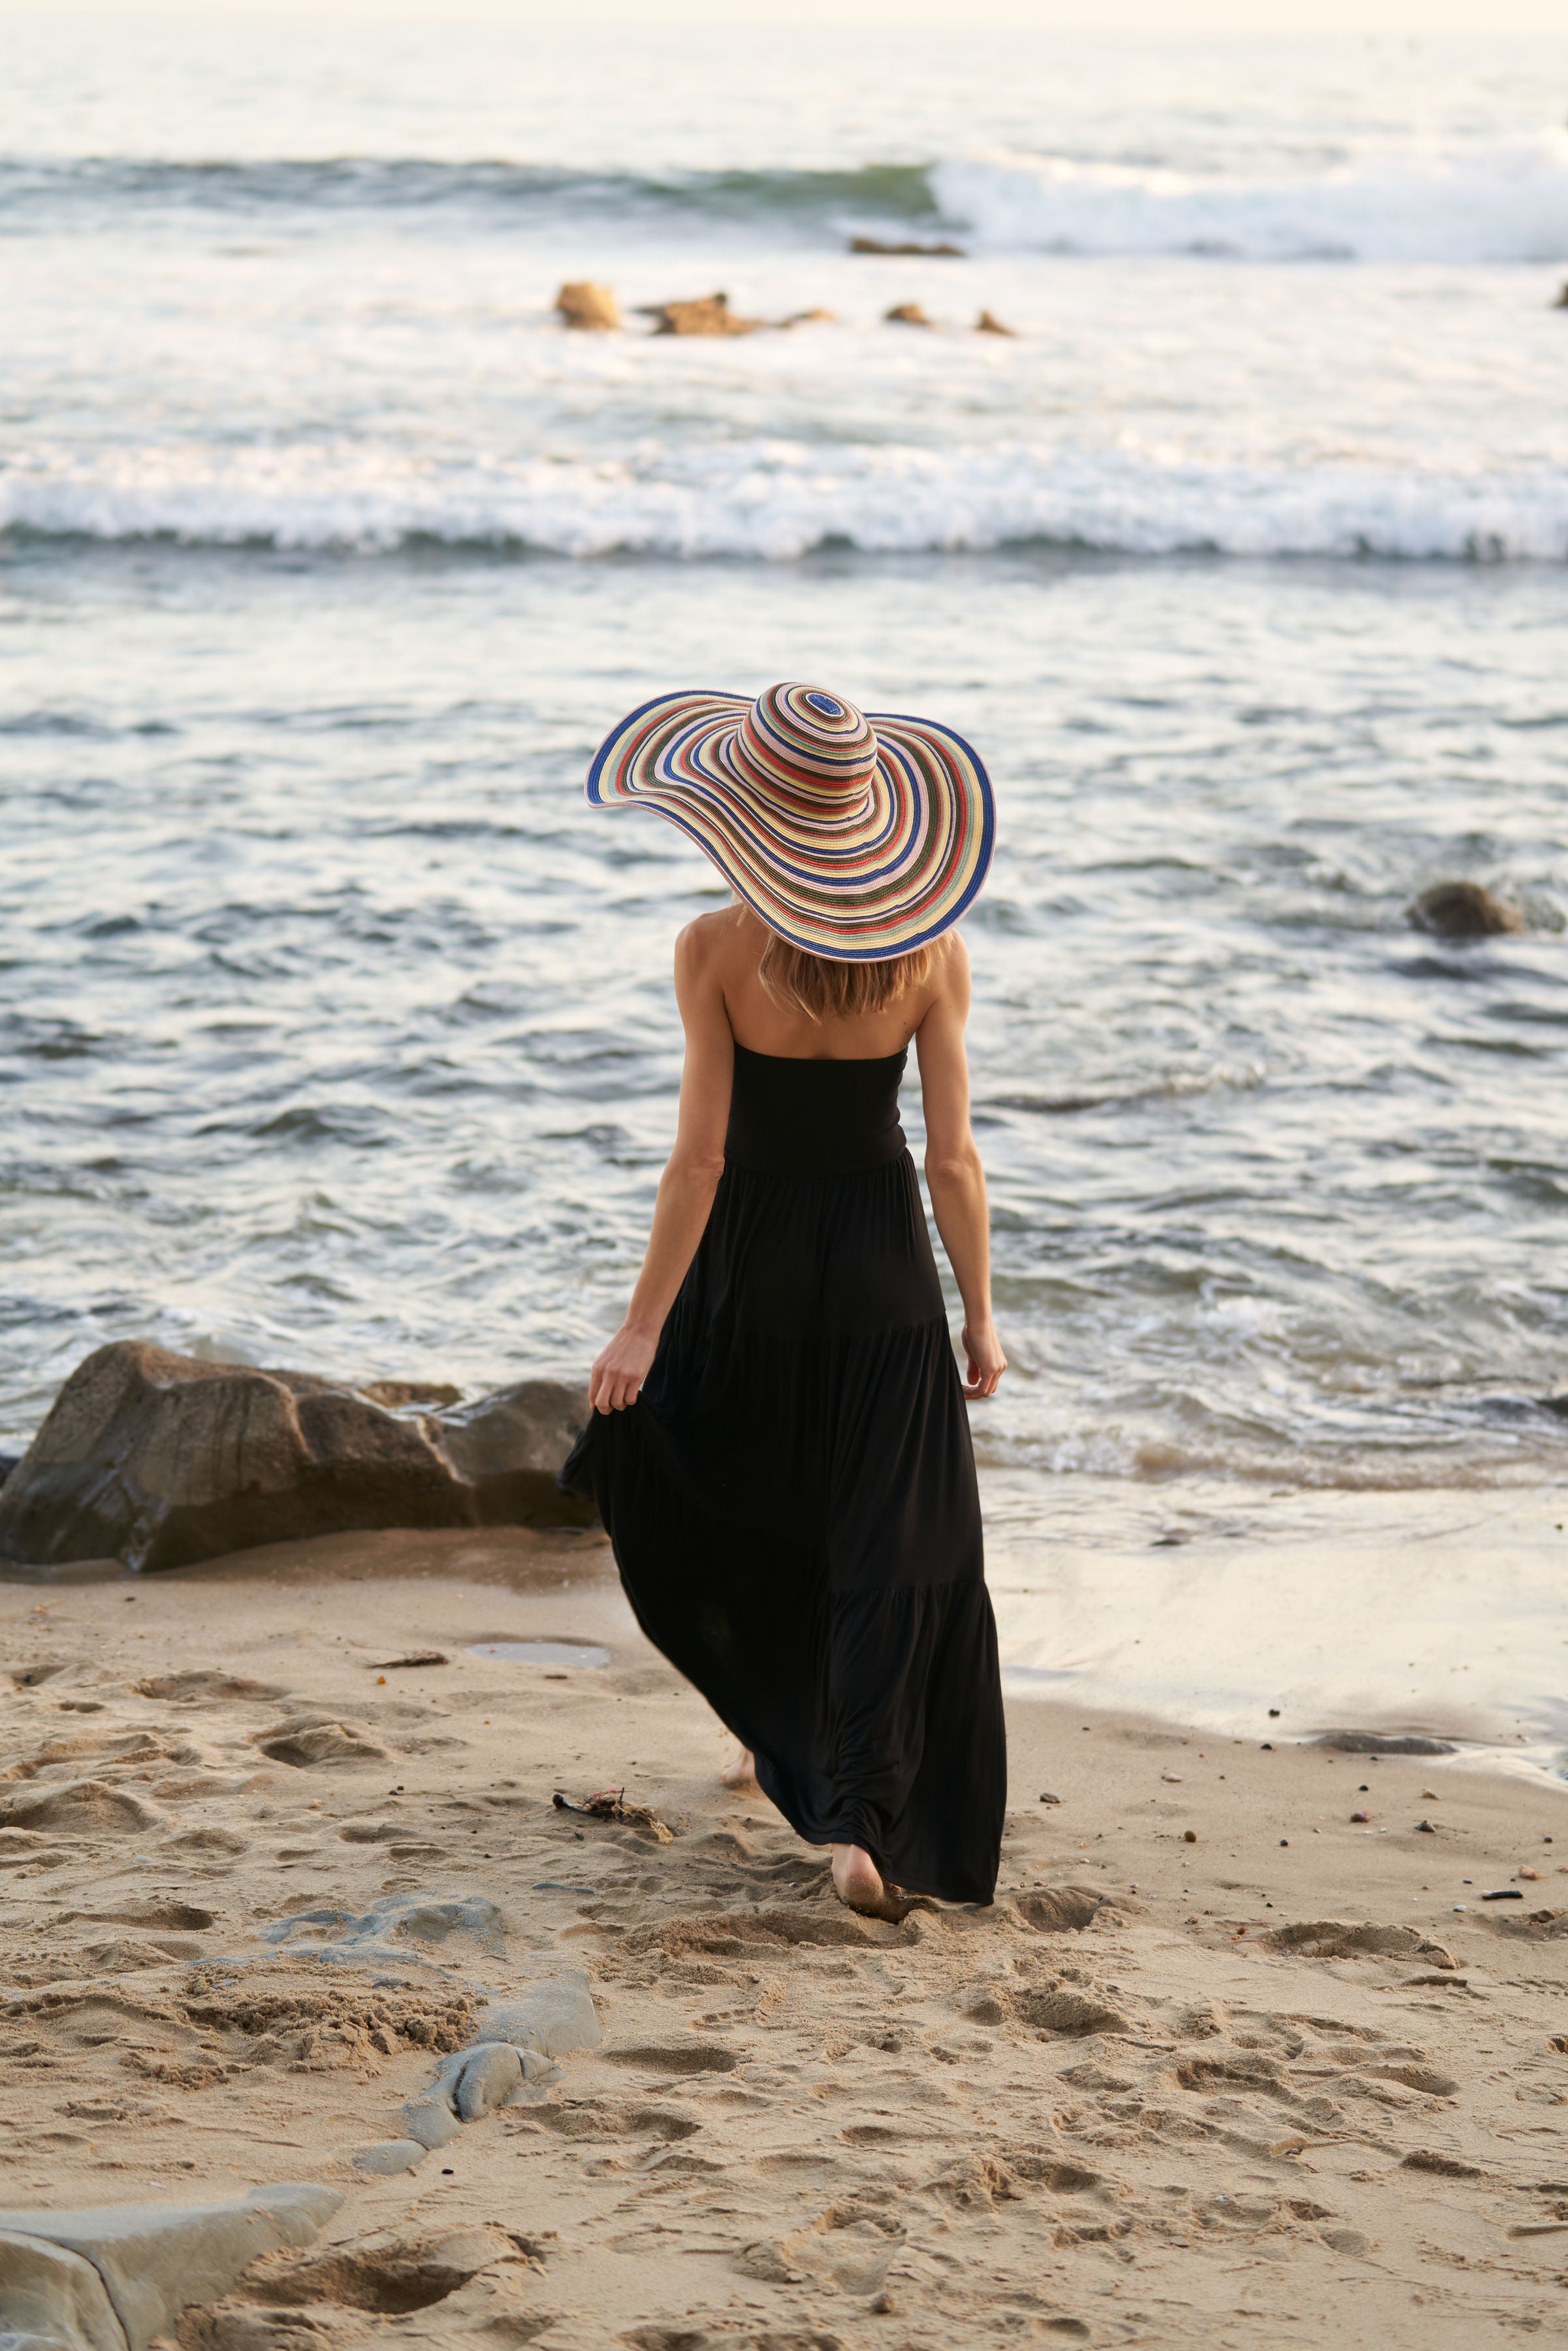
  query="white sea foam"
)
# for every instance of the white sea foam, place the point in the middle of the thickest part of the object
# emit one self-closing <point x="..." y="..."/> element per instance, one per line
<point x="1505" y="203"/>
<point x="776" y="501"/>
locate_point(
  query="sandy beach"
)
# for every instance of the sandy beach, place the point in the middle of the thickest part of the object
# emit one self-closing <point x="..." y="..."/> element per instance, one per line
<point x="1225" y="2063"/>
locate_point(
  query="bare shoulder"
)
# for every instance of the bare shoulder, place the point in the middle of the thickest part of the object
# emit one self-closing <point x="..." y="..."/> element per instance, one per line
<point x="949" y="981"/>
<point x="706" y="943"/>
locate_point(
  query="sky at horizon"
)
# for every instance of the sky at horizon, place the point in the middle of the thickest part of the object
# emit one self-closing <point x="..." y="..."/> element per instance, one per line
<point x="1291" y="20"/>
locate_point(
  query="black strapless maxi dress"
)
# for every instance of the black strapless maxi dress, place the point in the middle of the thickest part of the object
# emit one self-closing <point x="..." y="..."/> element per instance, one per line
<point x="792" y="1498"/>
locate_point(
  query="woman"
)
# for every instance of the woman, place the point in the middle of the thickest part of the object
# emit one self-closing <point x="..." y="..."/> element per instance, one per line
<point x="779" y="1445"/>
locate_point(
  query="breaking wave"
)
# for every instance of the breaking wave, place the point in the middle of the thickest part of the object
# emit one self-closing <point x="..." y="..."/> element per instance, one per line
<point x="777" y="501"/>
<point x="1503" y="203"/>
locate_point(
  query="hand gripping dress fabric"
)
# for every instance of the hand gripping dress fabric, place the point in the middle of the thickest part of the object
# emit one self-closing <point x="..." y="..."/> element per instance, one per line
<point x="792" y="1498"/>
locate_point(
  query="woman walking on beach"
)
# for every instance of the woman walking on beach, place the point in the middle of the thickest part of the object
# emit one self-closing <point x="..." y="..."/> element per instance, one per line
<point x="778" y="1446"/>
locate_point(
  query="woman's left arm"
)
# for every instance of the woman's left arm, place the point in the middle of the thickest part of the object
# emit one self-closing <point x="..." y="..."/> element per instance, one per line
<point x="690" y="1179"/>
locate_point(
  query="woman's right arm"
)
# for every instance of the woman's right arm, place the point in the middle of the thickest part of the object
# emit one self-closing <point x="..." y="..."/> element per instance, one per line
<point x="954" y="1174"/>
<point x="690" y="1179"/>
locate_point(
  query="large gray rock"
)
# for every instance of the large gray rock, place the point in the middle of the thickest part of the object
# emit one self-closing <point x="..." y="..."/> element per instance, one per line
<point x="508" y="1447"/>
<point x="396" y="1930"/>
<point x="162" y="1460"/>
<point x="550" y="2020"/>
<point x="153" y="2259"/>
<point x="52" y="2299"/>
<point x="555" y="2016"/>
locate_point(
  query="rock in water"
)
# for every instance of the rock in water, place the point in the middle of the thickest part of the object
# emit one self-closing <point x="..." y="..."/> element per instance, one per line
<point x="588" y="307"/>
<point x="153" y="2259"/>
<point x="708" y="314"/>
<point x="1463" y="910"/>
<point x="1561" y="301"/>
<point x="161" y="1461"/>
<point x="987" y="323"/>
<point x="942" y="252"/>
<point x="906" y="314"/>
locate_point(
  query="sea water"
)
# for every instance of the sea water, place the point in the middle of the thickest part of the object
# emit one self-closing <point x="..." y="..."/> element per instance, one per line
<point x="337" y="1031"/>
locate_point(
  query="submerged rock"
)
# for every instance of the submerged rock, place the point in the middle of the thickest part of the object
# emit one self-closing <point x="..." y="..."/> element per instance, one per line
<point x="161" y="1460"/>
<point x="1463" y="910"/>
<point x="387" y="2156"/>
<point x="987" y="323"/>
<point x="396" y="1930"/>
<point x="906" y="314"/>
<point x="1377" y="1742"/>
<point x="589" y="307"/>
<point x="940" y="252"/>
<point x="1339" y="1938"/>
<point x="151" y="2258"/>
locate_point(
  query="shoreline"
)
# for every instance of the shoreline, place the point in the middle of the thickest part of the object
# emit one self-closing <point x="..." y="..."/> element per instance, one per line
<point x="1200" y="1604"/>
<point x="1126" y="2129"/>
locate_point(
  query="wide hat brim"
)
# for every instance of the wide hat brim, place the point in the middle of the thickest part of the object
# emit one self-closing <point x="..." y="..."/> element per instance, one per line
<point x="887" y="875"/>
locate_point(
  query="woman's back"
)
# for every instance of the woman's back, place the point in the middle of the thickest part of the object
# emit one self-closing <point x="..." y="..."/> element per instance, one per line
<point x="829" y="1116"/>
<point x="733" y="943"/>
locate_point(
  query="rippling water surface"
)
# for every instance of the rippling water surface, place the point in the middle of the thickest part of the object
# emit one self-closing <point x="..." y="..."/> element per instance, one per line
<point x="335" y="1029"/>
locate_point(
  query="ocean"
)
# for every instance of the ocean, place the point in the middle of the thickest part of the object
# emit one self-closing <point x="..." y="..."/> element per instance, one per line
<point x="337" y="1031"/>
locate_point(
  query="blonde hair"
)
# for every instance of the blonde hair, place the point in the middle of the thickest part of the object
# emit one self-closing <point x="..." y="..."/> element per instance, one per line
<point x="798" y="981"/>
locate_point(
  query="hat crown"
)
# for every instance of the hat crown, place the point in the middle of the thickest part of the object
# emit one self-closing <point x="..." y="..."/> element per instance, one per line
<point x="810" y="744"/>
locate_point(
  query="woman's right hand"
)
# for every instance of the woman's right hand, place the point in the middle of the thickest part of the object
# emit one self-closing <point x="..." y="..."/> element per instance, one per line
<point x="983" y="1358"/>
<point x="620" y="1369"/>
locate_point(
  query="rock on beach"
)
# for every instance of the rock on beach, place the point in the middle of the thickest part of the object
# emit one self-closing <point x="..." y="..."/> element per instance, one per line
<point x="117" y="2275"/>
<point x="159" y="1460"/>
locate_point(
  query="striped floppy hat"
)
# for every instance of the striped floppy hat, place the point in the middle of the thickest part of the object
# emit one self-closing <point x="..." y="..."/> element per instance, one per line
<point x="854" y="837"/>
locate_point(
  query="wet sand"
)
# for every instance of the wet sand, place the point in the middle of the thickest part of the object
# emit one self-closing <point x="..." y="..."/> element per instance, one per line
<point x="1123" y="2106"/>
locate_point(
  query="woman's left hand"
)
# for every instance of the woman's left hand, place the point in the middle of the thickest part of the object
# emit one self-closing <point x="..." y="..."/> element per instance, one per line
<point x="620" y="1371"/>
<point x="984" y="1361"/>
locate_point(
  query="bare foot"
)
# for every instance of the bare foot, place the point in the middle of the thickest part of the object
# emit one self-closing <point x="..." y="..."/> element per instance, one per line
<point x="741" y="1774"/>
<point x="857" y="1881"/>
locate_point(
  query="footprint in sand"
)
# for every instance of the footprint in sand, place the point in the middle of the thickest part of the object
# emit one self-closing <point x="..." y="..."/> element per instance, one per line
<point x="675" y="2057"/>
<point x="310" y="1739"/>
<point x="207" y="1684"/>
<point x="80" y="1808"/>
